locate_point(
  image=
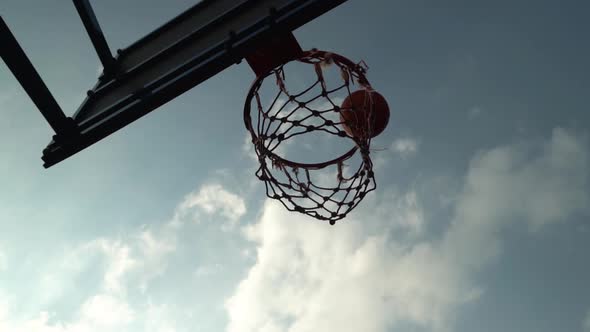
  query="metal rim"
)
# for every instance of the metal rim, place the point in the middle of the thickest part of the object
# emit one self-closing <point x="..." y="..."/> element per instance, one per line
<point x="306" y="55"/>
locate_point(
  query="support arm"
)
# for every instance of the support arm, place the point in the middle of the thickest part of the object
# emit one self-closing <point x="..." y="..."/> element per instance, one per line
<point x="95" y="33"/>
<point x="22" y="68"/>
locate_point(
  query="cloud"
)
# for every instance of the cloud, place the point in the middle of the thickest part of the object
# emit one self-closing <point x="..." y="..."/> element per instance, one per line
<point x="475" y="112"/>
<point x="3" y="260"/>
<point x="310" y="276"/>
<point x="99" y="313"/>
<point x="357" y="276"/>
<point x="119" y="263"/>
<point x="4" y="310"/>
<point x="115" y="264"/>
<point x="402" y="147"/>
<point x="519" y="181"/>
<point x="586" y="323"/>
<point x="158" y="319"/>
<point x="213" y="199"/>
<point x="207" y="270"/>
<point x="96" y="280"/>
<point x="138" y="258"/>
<point x="524" y="183"/>
<point x="399" y="211"/>
<point x="121" y="266"/>
<point x="248" y="148"/>
<point x="113" y="282"/>
<point x="109" y="283"/>
<point x="405" y="146"/>
<point x="116" y="259"/>
<point x="155" y="246"/>
<point x="407" y="214"/>
<point x="106" y="310"/>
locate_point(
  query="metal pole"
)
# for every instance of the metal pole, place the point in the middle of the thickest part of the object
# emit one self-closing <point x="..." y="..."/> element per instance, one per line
<point x="22" y="68"/>
<point x="95" y="33"/>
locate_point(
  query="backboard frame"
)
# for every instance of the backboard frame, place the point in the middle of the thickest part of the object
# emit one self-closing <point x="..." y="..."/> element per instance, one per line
<point x="158" y="67"/>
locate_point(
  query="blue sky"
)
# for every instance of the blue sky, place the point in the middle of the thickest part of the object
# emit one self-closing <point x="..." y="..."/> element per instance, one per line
<point x="480" y="221"/>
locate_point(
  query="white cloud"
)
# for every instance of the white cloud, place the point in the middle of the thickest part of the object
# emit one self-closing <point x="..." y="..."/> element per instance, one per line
<point x="3" y="260"/>
<point x="475" y="112"/>
<point x="214" y="199"/>
<point x="100" y="313"/>
<point x="408" y="213"/>
<point x="310" y="276"/>
<point x="109" y="283"/>
<point x="248" y="148"/>
<point x="139" y="257"/>
<point x="355" y="276"/>
<point x="158" y="319"/>
<point x="405" y="146"/>
<point x="531" y="184"/>
<point x="4" y="310"/>
<point x="155" y="246"/>
<point x="539" y="188"/>
<point x="106" y="310"/>
<point x="402" y="212"/>
<point x="207" y="270"/>
<point x="119" y="263"/>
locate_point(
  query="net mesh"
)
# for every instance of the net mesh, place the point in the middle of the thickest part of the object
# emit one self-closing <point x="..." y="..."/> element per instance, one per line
<point x="328" y="190"/>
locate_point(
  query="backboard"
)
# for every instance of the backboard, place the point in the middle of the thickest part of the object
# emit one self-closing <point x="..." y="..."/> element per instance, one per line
<point x="189" y="49"/>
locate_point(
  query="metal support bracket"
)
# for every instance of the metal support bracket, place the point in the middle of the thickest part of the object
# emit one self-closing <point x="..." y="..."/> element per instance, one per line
<point x="96" y="36"/>
<point x="21" y="67"/>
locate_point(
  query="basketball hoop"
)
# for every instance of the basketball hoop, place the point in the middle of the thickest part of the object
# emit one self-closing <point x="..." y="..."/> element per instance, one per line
<point x="295" y="184"/>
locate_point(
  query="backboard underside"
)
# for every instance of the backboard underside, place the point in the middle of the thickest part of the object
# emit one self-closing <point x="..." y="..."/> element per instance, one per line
<point x="189" y="49"/>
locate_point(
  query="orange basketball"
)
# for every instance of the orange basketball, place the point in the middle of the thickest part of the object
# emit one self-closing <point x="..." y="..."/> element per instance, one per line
<point x="364" y="114"/>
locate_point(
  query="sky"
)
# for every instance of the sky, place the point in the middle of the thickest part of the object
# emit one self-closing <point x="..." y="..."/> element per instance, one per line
<point x="480" y="221"/>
